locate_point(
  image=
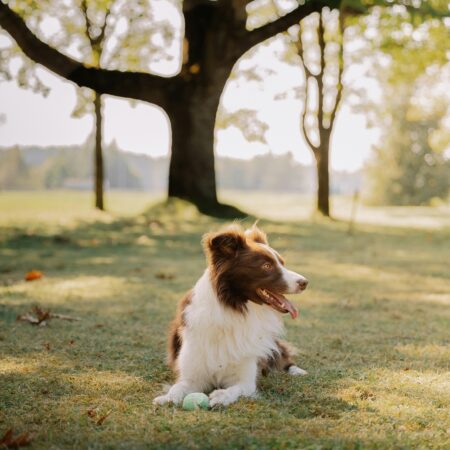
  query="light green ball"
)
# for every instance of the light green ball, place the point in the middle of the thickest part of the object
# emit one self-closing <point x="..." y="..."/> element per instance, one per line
<point x="196" y="400"/>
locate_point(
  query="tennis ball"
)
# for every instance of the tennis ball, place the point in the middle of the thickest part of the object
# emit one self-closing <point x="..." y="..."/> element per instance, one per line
<point x="196" y="400"/>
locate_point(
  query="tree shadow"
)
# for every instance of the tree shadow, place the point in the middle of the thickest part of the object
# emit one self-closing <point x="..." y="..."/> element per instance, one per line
<point x="139" y="267"/>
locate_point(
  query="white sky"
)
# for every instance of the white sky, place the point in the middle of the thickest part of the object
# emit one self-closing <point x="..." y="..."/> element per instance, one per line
<point x="142" y="128"/>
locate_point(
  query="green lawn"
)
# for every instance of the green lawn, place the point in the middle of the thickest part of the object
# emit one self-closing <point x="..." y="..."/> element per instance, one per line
<point x="373" y="330"/>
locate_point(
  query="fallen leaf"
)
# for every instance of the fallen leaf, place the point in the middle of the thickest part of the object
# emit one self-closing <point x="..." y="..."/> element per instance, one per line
<point x="41" y="317"/>
<point x="164" y="276"/>
<point x="33" y="275"/>
<point x="28" y="318"/>
<point x="103" y="418"/>
<point x="41" y="314"/>
<point x="9" y="441"/>
<point x="365" y="395"/>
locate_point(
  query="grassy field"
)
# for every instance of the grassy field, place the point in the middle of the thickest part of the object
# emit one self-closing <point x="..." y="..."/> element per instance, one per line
<point x="373" y="330"/>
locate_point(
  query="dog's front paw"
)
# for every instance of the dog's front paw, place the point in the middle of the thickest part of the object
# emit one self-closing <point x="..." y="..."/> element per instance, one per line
<point x="168" y="398"/>
<point x="221" y="397"/>
<point x="296" y="371"/>
<point x="161" y="400"/>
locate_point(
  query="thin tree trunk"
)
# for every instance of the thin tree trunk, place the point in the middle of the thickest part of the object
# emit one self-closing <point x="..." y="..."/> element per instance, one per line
<point x="98" y="160"/>
<point x="323" y="178"/>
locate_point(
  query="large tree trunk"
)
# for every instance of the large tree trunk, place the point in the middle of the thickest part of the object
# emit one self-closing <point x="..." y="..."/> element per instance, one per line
<point x="192" y="107"/>
<point x="98" y="159"/>
<point x="192" y="112"/>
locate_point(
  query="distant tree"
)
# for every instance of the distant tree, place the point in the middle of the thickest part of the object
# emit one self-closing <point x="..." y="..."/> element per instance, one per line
<point x="322" y="90"/>
<point x="91" y="29"/>
<point x="409" y="165"/>
<point x="14" y="173"/>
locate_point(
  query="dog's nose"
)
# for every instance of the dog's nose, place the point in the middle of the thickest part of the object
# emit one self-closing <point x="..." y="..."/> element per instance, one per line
<point x="302" y="283"/>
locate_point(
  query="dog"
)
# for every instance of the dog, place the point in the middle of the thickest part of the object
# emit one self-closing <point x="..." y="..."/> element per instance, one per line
<point x="227" y="328"/>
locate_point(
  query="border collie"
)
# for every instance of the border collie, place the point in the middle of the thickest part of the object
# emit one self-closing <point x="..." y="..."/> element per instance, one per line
<point x="227" y="328"/>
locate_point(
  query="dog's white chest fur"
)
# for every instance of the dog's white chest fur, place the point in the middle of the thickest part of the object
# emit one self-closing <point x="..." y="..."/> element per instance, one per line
<point x="217" y="340"/>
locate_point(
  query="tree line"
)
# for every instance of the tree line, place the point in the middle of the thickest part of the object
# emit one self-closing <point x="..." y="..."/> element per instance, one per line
<point x="72" y="167"/>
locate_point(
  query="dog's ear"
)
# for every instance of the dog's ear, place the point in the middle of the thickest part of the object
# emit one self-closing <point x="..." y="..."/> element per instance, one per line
<point x="256" y="235"/>
<point x="226" y="243"/>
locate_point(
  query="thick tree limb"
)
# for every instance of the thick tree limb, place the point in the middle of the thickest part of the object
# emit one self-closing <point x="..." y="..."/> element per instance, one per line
<point x="137" y="85"/>
<point x="251" y="38"/>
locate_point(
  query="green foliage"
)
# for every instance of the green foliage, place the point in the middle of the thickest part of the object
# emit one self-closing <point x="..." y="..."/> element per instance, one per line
<point x="246" y="120"/>
<point x="409" y="167"/>
<point x="67" y="167"/>
<point x="133" y="38"/>
<point x="71" y="168"/>
<point x="408" y="56"/>
<point x="14" y="173"/>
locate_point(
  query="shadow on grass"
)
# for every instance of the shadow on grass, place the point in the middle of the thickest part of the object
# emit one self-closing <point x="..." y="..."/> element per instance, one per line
<point x="124" y="278"/>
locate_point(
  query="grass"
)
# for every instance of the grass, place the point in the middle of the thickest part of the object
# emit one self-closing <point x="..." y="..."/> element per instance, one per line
<point x="372" y="332"/>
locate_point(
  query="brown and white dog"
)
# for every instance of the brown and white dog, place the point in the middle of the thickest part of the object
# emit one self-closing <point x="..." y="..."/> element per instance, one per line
<point x="228" y="326"/>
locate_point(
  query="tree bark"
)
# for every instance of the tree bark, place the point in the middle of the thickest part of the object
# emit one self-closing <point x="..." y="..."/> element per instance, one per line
<point x="325" y="125"/>
<point x="191" y="173"/>
<point x="98" y="159"/>
<point x="323" y="177"/>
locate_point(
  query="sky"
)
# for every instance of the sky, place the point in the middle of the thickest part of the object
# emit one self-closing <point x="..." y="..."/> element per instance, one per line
<point x="138" y="127"/>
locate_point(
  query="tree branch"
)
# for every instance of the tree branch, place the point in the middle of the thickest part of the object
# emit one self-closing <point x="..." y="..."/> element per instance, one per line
<point x="313" y="147"/>
<point x="308" y="76"/>
<point x="137" y="85"/>
<point x="319" y="78"/>
<point x="339" y="85"/>
<point x="251" y="38"/>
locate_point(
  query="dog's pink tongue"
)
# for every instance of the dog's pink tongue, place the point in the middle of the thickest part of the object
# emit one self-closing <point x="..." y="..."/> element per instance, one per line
<point x="290" y="308"/>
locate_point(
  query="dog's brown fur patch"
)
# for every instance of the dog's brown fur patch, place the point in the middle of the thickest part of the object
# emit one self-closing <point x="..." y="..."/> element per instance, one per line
<point x="278" y="360"/>
<point x="175" y="332"/>
<point x="236" y="261"/>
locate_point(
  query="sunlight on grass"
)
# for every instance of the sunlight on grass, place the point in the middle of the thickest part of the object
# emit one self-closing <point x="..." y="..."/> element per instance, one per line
<point x="372" y="331"/>
<point x="55" y="290"/>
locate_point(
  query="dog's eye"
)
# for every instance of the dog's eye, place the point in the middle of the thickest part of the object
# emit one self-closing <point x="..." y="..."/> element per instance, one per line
<point x="267" y="266"/>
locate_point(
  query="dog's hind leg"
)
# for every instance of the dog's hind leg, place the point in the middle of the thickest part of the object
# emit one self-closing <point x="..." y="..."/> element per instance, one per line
<point x="281" y="359"/>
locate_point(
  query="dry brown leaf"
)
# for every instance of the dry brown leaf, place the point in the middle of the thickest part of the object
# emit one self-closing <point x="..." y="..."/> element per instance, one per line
<point x="103" y="418"/>
<point x="165" y="276"/>
<point x="9" y="441"/>
<point x="91" y="412"/>
<point x="28" y="318"/>
<point x="41" y="317"/>
<point x="41" y="314"/>
<point x="33" y="275"/>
